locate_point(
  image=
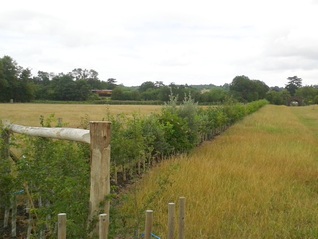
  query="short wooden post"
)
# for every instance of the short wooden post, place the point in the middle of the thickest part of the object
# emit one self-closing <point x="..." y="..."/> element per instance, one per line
<point x="103" y="226"/>
<point x="5" y="154"/>
<point x="181" y="217"/>
<point x="59" y="122"/>
<point x="148" y="224"/>
<point x="6" y="217"/>
<point x="100" y="135"/>
<point x="171" y="220"/>
<point x="29" y="229"/>
<point x="14" y="217"/>
<point x="61" y="230"/>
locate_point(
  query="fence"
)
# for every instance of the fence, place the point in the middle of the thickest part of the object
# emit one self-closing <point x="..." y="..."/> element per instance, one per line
<point x="103" y="223"/>
<point x="98" y="137"/>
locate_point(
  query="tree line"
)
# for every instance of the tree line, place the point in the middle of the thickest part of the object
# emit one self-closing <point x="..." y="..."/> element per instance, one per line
<point x="18" y="84"/>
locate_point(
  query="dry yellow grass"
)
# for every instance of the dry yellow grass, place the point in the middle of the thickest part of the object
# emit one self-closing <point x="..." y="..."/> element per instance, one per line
<point x="29" y="114"/>
<point x="257" y="180"/>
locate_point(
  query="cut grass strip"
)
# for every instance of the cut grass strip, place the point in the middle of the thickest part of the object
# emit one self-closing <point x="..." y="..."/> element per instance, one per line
<point x="257" y="180"/>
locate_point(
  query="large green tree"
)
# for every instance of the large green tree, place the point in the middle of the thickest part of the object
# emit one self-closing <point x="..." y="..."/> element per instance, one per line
<point x="15" y="82"/>
<point x="246" y="90"/>
<point x="308" y="93"/>
<point x="9" y="72"/>
<point x="293" y="84"/>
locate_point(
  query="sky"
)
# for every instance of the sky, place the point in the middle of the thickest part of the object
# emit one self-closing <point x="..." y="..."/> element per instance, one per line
<point x="173" y="41"/>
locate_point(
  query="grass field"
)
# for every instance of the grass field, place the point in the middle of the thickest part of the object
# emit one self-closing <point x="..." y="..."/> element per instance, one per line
<point x="259" y="179"/>
<point x="29" y="114"/>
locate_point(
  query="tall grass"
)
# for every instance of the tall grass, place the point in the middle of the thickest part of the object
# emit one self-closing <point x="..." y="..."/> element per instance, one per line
<point x="257" y="180"/>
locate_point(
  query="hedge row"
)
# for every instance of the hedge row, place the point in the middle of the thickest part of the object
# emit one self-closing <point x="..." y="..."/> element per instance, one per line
<point x="176" y="129"/>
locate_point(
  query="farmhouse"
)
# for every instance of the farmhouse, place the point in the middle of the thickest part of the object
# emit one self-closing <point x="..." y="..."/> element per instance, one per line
<point x="103" y="93"/>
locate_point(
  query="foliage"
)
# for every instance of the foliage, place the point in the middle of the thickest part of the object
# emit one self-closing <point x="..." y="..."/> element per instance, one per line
<point x="56" y="173"/>
<point x="293" y="84"/>
<point x="177" y="129"/>
<point x="246" y="90"/>
<point x="235" y="186"/>
<point x="7" y="180"/>
<point x="308" y="94"/>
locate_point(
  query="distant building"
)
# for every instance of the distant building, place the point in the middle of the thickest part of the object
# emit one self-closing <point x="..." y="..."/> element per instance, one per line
<point x="103" y="93"/>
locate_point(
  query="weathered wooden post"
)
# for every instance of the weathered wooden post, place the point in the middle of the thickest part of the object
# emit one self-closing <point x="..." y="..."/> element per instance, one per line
<point x="61" y="226"/>
<point x="100" y="135"/>
<point x="181" y="217"/>
<point x="171" y="220"/>
<point x="103" y="226"/>
<point x="5" y="154"/>
<point x="14" y="216"/>
<point x="148" y="224"/>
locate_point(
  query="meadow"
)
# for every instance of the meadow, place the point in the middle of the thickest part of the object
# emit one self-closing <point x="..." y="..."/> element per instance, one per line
<point x="259" y="179"/>
<point x="29" y="114"/>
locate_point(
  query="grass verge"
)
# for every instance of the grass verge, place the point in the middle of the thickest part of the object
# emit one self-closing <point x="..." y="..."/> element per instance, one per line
<point x="257" y="180"/>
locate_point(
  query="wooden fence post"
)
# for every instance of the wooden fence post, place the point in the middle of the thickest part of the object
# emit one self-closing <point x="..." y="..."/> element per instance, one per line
<point x="181" y="217"/>
<point x="14" y="216"/>
<point x="148" y="224"/>
<point x="171" y="220"/>
<point x="61" y="226"/>
<point x="100" y="135"/>
<point x="103" y="226"/>
<point x="5" y="154"/>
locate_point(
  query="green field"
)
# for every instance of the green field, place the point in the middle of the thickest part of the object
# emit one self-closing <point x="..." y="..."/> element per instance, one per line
<point x="259" y="179"/>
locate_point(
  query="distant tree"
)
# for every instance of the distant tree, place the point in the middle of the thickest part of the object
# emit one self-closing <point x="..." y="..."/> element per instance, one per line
<point x="150" y="94"/>
<point x="164" y="93"/>
<point x="111" y="83"/>
<point x="308" y="94"/>
<point x="25" y="90"/>
<point x="278" y="97"/>
<point x="9" y="78"/>
<point x="84" y="74"/>
<point x="63" y="87"/>
<point x="261" y="88"/>
<point x="214" y="95"/>
<point x="148" y="85"/>
<point x="159" y="84"/>
<point x="90" y="76"/>
<point x="82" y="90"/>
<point x="276" y="88"/>
<point x="117" y="93"/>
<point x="246" y="90"/>
<point x="293" y="84"/>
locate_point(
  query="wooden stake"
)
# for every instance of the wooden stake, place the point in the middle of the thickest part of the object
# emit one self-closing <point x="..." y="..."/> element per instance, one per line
<point x="14" y="217"/>
<point x="6" y="217"/>
<point x="61" y="226"/>
<point x="100" y="134"/>
<point x="103" y="226"/>
<point x="148" y="224"/>
<point x="181" y="217"/>
<point x="171" y="220"/>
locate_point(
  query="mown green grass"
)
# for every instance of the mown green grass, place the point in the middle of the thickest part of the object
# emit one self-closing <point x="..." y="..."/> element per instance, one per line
<point x="259" y="179"/>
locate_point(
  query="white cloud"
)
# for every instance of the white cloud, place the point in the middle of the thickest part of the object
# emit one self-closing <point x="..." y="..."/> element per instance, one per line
<point x="203" y="41"/>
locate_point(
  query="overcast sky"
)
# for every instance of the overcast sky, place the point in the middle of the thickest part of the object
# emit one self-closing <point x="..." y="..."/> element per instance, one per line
<point x="180" y="41"/>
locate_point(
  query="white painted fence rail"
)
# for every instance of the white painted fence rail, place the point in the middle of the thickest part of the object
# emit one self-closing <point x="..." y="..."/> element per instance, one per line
<point x="79" y="135"/>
